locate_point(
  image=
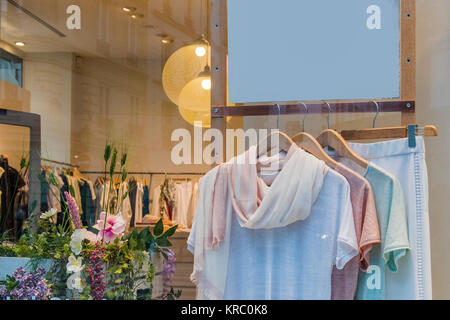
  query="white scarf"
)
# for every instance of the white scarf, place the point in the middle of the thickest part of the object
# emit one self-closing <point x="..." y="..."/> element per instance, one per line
<point x="288" y="199"/>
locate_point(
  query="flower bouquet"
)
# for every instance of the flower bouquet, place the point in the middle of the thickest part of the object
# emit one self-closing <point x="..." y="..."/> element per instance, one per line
<point x="108" y="264"/>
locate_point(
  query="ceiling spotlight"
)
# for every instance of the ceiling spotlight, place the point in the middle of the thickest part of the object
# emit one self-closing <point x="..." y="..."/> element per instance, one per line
<point x="129" y="9"/>
<point x="166" y="40"/>
<point x="20" y="43"/>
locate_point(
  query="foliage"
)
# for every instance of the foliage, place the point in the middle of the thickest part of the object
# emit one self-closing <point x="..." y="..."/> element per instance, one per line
<point x="26" y="286"/>
<point x="90" y="267"/>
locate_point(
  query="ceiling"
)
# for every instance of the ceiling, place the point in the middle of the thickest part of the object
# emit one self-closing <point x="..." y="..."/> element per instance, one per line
<point x="106" y="30"/>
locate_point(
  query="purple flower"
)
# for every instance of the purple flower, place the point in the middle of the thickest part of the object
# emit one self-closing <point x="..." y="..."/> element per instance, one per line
<point x="74" y="211"/>
<point x="168" y="272"/>
<point x="31" y="286"/>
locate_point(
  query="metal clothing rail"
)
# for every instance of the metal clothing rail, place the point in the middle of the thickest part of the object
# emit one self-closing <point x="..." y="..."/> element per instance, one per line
<point x="60" y="162"/>
<point x="150" y="173"/>
<point x="299" y="108"/>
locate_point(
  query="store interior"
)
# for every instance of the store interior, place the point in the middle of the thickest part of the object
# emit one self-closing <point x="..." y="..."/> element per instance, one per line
<point x="111" y="81"/>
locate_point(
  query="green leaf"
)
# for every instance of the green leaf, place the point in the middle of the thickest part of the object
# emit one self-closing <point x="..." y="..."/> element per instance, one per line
<point x="170" y="232"/>
<point x="132" y="242"/>
<point x="163" y="242"/>
<point x="107" y="153"/>
<point x="123" y="160"/>
<point x="164" y="255"/>
<point x="72" y="191"/>
<point x="112" y="167"/>
<point x="23" y="162"/>
<point x="53" y="180"/>
<point x="159" y="228"/>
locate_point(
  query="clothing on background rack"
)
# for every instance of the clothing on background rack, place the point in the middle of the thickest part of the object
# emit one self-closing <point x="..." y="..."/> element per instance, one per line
<point x="129" y="196"/>
<point x="60" y="178"/>
<point x="175" y="200"/>
<point x="11" y="185"/>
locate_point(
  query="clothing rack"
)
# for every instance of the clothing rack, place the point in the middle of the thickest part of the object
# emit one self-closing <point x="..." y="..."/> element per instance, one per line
<point x="150" y="173"/>
<point x="60" y="162"/>
<point x="314" y="108"/>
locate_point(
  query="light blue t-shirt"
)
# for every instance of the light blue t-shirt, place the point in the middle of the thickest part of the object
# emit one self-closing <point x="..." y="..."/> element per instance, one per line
<point x="296" y="261"/>
<point x="392" y="219"/>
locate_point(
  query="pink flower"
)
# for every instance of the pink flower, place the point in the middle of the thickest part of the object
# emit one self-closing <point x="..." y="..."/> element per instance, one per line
<point x="115" y="226"/>
<point x="92" y="237"/>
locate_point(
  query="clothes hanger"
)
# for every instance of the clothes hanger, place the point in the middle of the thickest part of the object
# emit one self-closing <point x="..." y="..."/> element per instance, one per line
<point x="277" y="140"/>
<point x="308" y="143"/>
<point x="410" y="132"/>
<point x="331" y="138"/>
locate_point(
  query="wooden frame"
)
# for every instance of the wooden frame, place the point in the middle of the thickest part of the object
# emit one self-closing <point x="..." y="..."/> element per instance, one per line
<point x="33" y="122"/>
<point x="219" y="49"/>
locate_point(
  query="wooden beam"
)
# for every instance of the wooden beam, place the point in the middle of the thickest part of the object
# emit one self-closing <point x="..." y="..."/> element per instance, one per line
<point x="219" y="45"/>
<point x="408" y="56"/>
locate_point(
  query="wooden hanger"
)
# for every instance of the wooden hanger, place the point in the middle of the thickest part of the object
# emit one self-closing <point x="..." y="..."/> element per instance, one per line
<point x="275" y="140"/>
<point x="410" y="131"/>
<point x="308" y="143"/>
<point x="388" y="132"/>
<point x="330" y="138"/>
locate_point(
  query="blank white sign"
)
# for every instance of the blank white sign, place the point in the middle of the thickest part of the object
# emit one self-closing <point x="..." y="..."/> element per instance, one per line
<point x="293" y="50"/>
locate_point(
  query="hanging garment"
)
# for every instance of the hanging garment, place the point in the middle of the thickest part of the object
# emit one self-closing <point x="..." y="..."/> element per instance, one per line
<point x="344" y="282"/>
<point x="132" y="195"/>
<point x="192" y="205"/>
<point x="10" y="183"/>
<point x="88" y="204"/>
<point x="164" y="200"/>
<point x="392" y="219"/>
<point x="64" y="188"/>
<point x="45" y="189"/>
<point x="183" y="194"/>
<point x="139" y="202"/>
<point x="145" y="201"/>
<point x="54" y="194"/>
<point x="125" y="204"/>
<point x="21" y="206"/>
<point x="413" y="279"/>
<point x="265" y="244"/>
<point x="98" y="189"/>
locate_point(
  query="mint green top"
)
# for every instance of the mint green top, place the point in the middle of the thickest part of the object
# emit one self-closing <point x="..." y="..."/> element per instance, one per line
<point x="392" y="219"/>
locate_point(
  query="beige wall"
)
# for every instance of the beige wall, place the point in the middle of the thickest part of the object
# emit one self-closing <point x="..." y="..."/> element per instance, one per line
<point x="119" y="104"/>
<point x="433" y="100"/>
<point x="48" y="77"/>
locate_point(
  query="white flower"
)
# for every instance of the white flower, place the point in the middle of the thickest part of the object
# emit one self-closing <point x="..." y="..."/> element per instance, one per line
<point x="48" y="214"/>
<point x="74" y="264"/>
<point x="77" y="238"/>
<point x="74" y="282"/>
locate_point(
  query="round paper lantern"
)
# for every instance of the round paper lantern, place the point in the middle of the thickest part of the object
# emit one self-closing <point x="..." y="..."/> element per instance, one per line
<point x="192" y="116"/>
<point x="182" y="66"/>
<point x="195" y="101"/>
